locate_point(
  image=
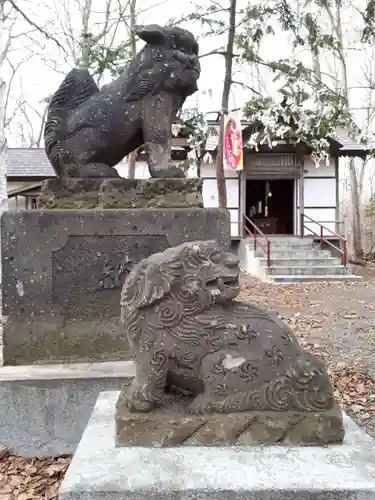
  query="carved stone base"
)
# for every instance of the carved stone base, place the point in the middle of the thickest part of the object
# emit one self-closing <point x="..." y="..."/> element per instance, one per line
<point x="173" y="425"/>
<point x="81" y="193"/>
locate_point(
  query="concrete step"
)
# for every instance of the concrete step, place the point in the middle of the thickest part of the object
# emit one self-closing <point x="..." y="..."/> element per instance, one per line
<point x="301" y="270"/>
<point x="295" y="260"/>
<point x="284" y="241"/>
<point x="292" y="239"/>
<point x="297" y="254"/>
<point x="284" y="245"/>
<point x="301" y="261"/>
<point x="312" y="278"/>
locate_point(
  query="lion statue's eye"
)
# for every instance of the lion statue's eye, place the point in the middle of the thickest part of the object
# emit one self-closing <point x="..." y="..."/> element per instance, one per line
<point x="158" y="55"/>
<point x="216" y="257"/>
<point x="203" y="255"/>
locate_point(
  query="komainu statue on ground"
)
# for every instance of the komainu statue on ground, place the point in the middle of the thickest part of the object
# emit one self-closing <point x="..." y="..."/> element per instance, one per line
<point x="88" y="131"/>
<point x="211" y="369"/>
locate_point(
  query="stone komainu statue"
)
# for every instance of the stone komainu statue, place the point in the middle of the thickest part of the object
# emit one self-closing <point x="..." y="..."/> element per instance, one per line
<point x="88" y="131"/>
<point x="190" y="336"/>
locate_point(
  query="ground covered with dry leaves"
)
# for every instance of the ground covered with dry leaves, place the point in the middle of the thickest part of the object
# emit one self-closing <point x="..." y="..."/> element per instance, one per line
<point x="336" y="321"/>
<point x="31" y="479"/>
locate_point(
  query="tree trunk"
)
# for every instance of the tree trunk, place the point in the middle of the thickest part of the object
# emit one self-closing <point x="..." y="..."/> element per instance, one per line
<point x="132" y="161"/>
<point x="86" y="37"/>
<point x="356" y="215"/>
<point x="3" y="144"/>
<point x="84" y="60"/>
<point x="199" y="165"/>
<point x="316" y="64"/>
<point x="341" y="51"/>
<point x="132" y="158"/>
<point x="356" y="184"/>
<point x="221" y="185"/>
<point x="361" y="179"/>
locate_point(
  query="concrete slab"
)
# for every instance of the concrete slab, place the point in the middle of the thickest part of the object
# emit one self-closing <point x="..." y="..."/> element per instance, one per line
<point x="101" y="471"/>
<point x="44" y="409"/>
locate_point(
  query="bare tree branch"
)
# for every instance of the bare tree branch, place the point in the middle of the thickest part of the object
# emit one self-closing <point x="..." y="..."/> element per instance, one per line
<point x="36" y="26"/>
<point x="14" y="70"/>
<point x="233" y="82"/>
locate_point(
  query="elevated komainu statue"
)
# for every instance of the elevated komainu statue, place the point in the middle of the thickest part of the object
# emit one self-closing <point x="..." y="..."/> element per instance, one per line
<point x="88" y="131"/>
<point x="192" y="340"/>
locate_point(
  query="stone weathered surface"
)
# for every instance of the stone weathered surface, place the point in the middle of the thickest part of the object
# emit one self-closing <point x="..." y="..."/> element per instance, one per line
<point x="191" y="337"/>
<point x="174" y="425"/>
<point x="62" y="274"/>
<point x="78" y="193"/>
<point x="45" y="409"/>
<point x="333" y="472"/>
<point x="88" y="131"/>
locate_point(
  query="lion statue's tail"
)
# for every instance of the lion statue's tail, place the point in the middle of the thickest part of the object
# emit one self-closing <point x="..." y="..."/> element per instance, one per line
<point x="76" y="88"/>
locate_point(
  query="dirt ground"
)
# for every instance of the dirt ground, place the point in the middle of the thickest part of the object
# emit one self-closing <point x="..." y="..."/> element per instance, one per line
<point x="339" y="316"/>
<point x="334" y="320"/>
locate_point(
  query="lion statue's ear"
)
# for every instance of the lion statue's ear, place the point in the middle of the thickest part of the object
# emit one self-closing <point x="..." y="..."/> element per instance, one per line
<point x="151" y="283"/>
<point x="151" y="33"/>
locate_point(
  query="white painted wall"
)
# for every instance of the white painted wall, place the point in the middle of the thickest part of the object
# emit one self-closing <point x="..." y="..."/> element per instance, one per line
<point x="319" y="197"/>
<point x="210" y="193"/>
<point x="322" y="171"/>
<point x="209" y="170"/>
<point x="320" y="192"/>
<point x="141" y="169"/>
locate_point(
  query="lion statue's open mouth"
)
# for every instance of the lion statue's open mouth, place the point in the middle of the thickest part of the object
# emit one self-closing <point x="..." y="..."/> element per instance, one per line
<point x="224" y="284"/>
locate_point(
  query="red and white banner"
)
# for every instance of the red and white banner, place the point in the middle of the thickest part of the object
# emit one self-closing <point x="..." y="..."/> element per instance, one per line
<point x="233" y="147"/>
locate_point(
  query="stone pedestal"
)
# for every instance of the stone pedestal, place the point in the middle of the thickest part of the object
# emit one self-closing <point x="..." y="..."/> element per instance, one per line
<point x="44" y="409"/>
<point x="79" y="193"/>
<point x="173" y="425"/>
<point x="99" y="470"/>
<point x="62" y="273"/>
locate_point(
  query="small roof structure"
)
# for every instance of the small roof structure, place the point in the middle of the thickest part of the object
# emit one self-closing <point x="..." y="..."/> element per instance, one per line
<point x="28" y="191"/>
<point x="28" y="163"/>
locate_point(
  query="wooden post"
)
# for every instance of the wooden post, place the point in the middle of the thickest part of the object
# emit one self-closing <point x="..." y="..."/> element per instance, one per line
<point x="301" y="193"/>
<point x="242" y="202"/>
<point x="337" y="211"/>
<point x="220" y="175"/>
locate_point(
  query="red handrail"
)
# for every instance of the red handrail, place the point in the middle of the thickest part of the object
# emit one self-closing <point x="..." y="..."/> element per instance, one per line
<point x="343" y="249"/>
<point x="267" y="246"/>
